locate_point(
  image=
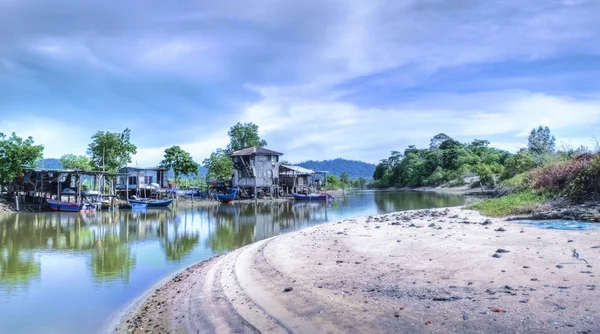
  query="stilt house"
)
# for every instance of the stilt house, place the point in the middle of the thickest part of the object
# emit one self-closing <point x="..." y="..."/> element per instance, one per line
<point x="256" y="168"/>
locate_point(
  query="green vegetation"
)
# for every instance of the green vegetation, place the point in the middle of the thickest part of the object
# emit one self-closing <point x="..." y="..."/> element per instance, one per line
<point x="79" y="162"/>
<point x="243" y="136"/>
<point x="512" y="204"/>
<point x="219" y="165"/>
<point x="180" y="161"/>
<point x="111" y="151"/>
<point x="527" y="178"/>
<point x="16" y="152"/>
<point x="354" y="169"/>
<point x="446" y="161"/>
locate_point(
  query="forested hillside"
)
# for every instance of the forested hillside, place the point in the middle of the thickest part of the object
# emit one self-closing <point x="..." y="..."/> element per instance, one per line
<point x="355" y="169"/>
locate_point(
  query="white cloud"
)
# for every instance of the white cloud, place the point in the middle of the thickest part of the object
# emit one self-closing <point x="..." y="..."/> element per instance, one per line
<point x="321" y="128"/>
<point x="198" y="149"/>
<point x="58" y="137"/>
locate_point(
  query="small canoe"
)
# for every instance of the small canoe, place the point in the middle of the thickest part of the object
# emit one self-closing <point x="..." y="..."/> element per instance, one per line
<point x="229" y="196"/>
<point x="152" y="203"/>
<point x="69" y="206"/>
<point x="313" y="197"/>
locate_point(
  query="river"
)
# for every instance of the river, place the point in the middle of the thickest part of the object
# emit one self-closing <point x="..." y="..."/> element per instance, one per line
<point x="74" y="273"/>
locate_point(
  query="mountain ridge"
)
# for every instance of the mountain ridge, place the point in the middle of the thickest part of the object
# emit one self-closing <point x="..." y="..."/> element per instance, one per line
<point x="354" y="168"/>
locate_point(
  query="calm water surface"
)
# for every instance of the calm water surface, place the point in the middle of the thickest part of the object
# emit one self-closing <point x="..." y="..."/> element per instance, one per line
<point x="72" y="273"/>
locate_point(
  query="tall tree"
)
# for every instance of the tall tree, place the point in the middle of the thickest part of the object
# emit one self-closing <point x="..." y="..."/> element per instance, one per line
<point x="437" y="140"/>
<point x="111" y="151"/>
<point x="180" y="161"/>
<point x="219" y="165"/>
<point x="79" y="162"/>
<point x="541" y="141"/>
<point x="15" y="152"/>
<point x="344" y="179"/>
<point x="243" y="136"/>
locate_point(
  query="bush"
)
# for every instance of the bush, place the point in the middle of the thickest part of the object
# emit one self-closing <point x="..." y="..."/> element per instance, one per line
<point x="557" y="176"/>
<point x="516" y="183"/>
<point x="510" y="204"/>
<point x="586" y="184"/>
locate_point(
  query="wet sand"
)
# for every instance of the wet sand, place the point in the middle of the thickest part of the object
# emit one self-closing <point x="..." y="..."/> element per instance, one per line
<point x="447" y="270"/>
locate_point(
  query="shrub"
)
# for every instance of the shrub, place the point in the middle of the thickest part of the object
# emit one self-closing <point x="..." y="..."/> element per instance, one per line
<point x="555" y="177"/>
<point x="586" y="184"/>
<point x="516" y="183"/>
<point x="510" y="204"/>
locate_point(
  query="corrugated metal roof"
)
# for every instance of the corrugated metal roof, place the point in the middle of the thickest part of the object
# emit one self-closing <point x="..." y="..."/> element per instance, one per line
<point x="254" y="150"/>
<point x="298" y="169"/>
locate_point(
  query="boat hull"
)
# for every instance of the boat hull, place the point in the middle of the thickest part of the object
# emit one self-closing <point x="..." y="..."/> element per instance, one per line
<point x="152" y="203"/>
<point x="227" y="198"/>
<point x="61" y="206"/>
<point x="323" y="198"/>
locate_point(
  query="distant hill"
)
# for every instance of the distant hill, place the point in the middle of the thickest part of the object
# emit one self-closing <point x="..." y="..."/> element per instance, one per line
<point x="354" y="168"/>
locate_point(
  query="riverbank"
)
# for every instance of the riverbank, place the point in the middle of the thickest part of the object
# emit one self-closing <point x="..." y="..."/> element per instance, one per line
<point x="418" y="271"/>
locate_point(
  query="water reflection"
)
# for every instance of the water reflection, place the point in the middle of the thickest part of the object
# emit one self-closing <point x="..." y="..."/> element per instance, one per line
<point x="109" y="258"/>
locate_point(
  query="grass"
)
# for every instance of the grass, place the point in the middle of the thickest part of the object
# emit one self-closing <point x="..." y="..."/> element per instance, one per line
<point x="516" y="203"/>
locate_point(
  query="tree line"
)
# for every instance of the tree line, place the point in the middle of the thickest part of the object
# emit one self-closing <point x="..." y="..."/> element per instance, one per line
<point x="449" y="162"/>
<point x="111" y="151"/>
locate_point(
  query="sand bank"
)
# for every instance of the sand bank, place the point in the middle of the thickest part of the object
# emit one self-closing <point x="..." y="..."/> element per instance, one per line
<point x="449" y="270"/>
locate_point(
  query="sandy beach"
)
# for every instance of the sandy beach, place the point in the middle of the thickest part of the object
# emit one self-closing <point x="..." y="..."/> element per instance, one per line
<point x="442" y="271"/>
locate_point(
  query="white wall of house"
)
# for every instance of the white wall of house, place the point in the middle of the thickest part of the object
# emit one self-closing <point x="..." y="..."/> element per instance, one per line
<point x="265" y="169"/>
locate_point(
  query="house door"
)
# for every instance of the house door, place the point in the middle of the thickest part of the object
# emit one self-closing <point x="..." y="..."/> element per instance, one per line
<point x="159" y="178"/>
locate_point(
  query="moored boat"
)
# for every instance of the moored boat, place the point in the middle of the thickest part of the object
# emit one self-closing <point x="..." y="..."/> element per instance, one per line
<point x="62" y="206"/>
<point x="229" y="196"/>
<point x="139" y="206"/>
<point x="152" y="203"/>
<point x="313" y="197"/>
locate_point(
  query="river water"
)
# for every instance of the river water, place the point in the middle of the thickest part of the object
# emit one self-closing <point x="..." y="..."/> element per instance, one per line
<point x="74" y="273"/>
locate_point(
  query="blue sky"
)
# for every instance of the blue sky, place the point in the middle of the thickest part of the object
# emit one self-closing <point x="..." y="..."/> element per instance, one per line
<point x="322" y="79"/>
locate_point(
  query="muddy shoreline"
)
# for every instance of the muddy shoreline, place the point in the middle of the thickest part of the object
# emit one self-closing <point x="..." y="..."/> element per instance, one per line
<point x="417" y="271"/>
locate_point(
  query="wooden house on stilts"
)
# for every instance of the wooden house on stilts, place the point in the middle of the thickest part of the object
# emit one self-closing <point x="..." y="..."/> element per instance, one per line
<point x="256" y="169"/>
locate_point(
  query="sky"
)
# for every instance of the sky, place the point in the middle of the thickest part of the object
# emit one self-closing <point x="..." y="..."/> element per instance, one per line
<point x="354" y="79"/>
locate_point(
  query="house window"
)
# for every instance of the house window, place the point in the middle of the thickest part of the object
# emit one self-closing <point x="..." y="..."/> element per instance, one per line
<point x="147" y="179"/>
<point x="133" y="180"/>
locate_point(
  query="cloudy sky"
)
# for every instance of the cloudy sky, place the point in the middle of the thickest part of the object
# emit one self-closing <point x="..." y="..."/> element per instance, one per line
<point x="322" y="79"/>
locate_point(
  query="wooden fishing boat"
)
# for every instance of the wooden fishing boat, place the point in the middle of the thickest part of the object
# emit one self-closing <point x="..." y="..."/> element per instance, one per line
<point x="229" y="196"/>
<point x="313" y="197"/>
<point x="152" y="203"/>
<point x="69" y="206"/>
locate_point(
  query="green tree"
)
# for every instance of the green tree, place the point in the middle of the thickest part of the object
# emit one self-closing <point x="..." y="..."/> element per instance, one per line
<point x="437" y="140"/>
<point x="15" y="152"/>
<point x="111" y="151"/>
<point x="344" y="179"/>
<point x="361" y="182"/>
<point x="333" y="182"/>
<point x="180" y="161"/>
<point x="243" y="136"/>
<point x="219" y="165"/>
<point x="380" y="170"/>
<point x="521" y="162"/>
<point x="78" y="162"/>
<point x="541" y="141"/>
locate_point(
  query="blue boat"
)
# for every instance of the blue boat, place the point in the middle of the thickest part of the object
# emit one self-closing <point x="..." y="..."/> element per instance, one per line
<point x="229" y="196"/>
<point x="152" y="203"/>
<point x="69" y="206"/>
<point x="139" y="206"/>
<point x="313" y="197"/>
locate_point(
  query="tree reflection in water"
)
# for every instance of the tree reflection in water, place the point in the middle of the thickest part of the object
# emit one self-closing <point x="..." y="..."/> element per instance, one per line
<point x="105" y="240"/>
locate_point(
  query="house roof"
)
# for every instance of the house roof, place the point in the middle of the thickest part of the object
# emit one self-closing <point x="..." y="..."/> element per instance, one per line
<point x="296" y="170"/>
<point x="143" y="168"/>
<point x="254" y="150"/>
